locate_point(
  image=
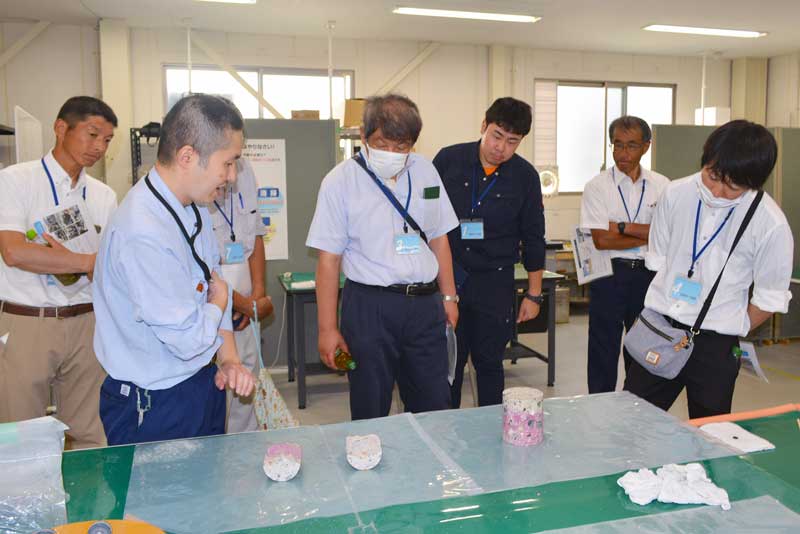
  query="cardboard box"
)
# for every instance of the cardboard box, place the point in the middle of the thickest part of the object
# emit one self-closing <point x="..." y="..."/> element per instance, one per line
<point x="353" y="112"/>
<point x="305" y="114"/>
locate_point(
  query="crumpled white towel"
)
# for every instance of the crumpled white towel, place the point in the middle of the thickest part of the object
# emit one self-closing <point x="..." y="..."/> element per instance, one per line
<point x="308" y="284"/>
<point x="680" y="484"/>
<point x="737" y="437"/>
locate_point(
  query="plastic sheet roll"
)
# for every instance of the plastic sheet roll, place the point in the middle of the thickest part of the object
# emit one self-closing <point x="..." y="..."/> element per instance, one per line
<point x="523" y="418"/>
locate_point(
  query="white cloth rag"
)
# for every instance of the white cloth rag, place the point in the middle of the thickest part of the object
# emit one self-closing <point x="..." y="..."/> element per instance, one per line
<point x="680" y="484"/>
<point x="308" y="284"/>
<point x="737" y="437"/>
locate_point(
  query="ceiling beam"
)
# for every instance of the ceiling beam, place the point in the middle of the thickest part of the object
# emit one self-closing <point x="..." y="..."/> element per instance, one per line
<point x="22" y="42"/>
<point x="220" y="62"/>
<point x="405" y="71"/>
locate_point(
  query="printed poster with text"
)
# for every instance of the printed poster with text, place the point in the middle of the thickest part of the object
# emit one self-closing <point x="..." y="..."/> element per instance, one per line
<point x="268" y="157"/>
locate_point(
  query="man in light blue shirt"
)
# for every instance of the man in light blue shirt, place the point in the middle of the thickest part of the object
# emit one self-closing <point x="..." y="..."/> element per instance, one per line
<point x="162" y="310"/>
<point x="383" y="218"/>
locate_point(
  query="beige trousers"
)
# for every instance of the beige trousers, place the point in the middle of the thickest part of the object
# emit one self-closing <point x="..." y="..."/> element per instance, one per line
<point x="47" y="351"/>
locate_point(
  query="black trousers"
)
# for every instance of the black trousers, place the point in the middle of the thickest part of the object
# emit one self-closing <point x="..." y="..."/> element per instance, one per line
<point x="393" y="337"/>
<point x="709" y="378"/>
<point x="485" y="324"/>
<point x="616" y="302"/>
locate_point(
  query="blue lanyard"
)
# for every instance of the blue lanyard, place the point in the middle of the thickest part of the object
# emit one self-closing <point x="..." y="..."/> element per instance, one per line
<point x="625" y="204"/>
<point x="696" y="255"/>
<point x="476" y="200"/>
<point x="229" y="221"/>
<point x="53" y="185"/>
<point x="392" y="198"/>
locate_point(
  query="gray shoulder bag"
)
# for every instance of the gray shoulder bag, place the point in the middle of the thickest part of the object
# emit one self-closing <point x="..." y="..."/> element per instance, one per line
<point x="659" y="347"/>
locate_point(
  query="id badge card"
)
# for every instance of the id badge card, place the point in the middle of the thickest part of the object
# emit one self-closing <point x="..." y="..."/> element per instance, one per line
<point x="234" y="253"/>
<point x="405" y="244"/>
<point x="472" y="229"/>
<point x="686" y="290"/>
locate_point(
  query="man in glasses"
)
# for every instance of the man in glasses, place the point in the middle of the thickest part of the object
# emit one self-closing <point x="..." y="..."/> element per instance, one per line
<point x="617" y="207"/>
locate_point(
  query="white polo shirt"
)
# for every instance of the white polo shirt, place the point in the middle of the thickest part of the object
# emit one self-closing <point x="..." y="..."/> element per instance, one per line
<point x="602" y="202"/>
<point x="762" y="258"/>
<point x="354" y="219"/>
<point x="25" y="193"/>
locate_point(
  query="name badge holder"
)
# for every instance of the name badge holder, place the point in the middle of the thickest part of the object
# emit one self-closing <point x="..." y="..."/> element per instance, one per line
<point x="471" y="228"/>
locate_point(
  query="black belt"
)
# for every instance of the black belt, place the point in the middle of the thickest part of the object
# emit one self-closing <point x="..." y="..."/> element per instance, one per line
<point x="629" y="263"/>
<point x="678" y="324"/>
<point x="409" y="290"/>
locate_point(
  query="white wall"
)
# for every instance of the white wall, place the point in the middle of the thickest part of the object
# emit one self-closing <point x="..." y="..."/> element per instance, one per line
<point x="783" y="90"/>
<point x="61" y="62"/>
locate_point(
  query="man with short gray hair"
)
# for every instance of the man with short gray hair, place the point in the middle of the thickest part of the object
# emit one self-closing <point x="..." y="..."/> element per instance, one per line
<point x="383" y="218"/>
<point x="163" y="312"/>
<point x="617" y="207"/>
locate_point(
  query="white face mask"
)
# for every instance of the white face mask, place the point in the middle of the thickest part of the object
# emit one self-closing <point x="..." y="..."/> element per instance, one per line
<point x="384" y="163"/>
<point x="709" y="199"/>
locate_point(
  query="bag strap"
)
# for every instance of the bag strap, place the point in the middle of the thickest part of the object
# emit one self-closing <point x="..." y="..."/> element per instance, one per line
<point x="707" y="304"/>
<point x="396" y="203"/>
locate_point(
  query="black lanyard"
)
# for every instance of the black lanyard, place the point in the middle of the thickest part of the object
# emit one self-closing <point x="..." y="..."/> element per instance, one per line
<point x="190" y="240"/>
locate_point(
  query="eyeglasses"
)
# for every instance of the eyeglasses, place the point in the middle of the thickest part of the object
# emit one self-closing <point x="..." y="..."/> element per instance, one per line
<point x="627" y="147"/>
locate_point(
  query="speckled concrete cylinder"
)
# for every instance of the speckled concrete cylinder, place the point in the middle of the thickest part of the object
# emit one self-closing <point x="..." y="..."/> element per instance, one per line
<point x="522" y="416"/>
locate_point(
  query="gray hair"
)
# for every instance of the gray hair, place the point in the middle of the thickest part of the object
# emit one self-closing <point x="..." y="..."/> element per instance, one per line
<point x="397" y="116"/>
<point x="201" y="122"/>
<point x="629" y="122"/>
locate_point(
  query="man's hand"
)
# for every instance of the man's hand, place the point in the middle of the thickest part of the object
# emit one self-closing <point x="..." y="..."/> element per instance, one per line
<point x="87" y="259"/>
<point x="328" y="343"/>
<point x="265" y="308"/>
<point x="451" y="311"/>
<point x="218" y="292"/>
<point x="527" y="310"/>
<point x="235" y="376"/>
<point x="245" y="321"/>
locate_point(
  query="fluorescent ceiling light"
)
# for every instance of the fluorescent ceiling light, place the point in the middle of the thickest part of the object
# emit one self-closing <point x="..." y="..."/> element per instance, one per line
<point x="229" y="1"/>
<point x="746" y="34"/>
<point x="502" y="17"/>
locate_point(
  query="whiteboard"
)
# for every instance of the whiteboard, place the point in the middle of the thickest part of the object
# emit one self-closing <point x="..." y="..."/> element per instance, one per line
<point x="28" y="134"/>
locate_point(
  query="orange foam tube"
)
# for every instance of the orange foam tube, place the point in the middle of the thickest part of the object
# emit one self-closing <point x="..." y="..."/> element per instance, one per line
<point x="743" y="416"/>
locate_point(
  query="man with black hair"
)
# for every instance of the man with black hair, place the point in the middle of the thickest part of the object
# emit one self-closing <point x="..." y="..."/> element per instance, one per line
<point x="498" y="199"/>
<point x="382" y="218"/>
<point x="47" y="319"/>
<point x="617" y="206"/>
<point x="693" y="229"/>
<point x="163" y="311"/>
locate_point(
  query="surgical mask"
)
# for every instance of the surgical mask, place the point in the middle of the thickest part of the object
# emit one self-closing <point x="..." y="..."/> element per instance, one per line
<point x="384" y="163"/>
<point x="710" y="200"/>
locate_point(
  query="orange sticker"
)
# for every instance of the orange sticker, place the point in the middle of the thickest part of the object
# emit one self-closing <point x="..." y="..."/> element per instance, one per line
<point x="200" y="287"/>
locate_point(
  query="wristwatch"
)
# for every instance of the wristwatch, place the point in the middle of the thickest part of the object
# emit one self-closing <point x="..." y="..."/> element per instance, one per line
<point x="450" y="298"/>
<point x="621" y="227"/>
<point x="538" y="299"/>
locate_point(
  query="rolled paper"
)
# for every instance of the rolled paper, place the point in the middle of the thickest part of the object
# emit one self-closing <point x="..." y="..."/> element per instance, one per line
<point x="363" y="452"/>
<point x="282" y="461"/>
<point x="523" y="417"/>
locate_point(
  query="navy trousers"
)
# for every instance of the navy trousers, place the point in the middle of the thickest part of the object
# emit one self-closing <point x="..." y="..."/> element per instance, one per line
<point x="616" y="302"/>
<point x="393" y="337"/>
<point x="485" y="325"/>
<point x="193" y="408"/>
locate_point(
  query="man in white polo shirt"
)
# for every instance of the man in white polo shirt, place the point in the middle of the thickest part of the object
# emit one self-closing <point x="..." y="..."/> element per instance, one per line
<point x="49" y="317"/>
<point x="617" y="207"/>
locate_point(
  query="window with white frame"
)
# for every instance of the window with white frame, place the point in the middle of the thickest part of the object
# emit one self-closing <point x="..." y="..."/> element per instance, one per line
<point x="571" y="122"/>
<point x="284" y="89"/>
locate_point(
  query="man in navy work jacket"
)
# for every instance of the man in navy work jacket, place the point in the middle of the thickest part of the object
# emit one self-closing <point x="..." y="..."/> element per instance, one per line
<point x="498" y="199"/>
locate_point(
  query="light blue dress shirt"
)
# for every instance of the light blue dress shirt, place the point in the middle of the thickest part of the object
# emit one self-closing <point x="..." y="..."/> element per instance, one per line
<point x="354" y="219"/>
<point x="153" y="326"/>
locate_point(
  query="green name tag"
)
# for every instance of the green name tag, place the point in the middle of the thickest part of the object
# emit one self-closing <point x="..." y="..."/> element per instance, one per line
<point x="431" y="192"/>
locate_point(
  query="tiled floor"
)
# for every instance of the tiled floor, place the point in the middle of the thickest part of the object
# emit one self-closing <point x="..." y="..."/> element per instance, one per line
<point x="328" y="394"/>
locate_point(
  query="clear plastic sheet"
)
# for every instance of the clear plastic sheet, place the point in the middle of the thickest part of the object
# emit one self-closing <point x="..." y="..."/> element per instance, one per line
<point x="31" y="488"/>
<point x="217" y="484"/>
<point x="762" y="514"/>
<point x="585" y="436"/>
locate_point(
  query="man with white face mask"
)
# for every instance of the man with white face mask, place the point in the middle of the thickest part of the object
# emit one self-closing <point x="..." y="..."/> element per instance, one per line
<point x="692" y="232"/>
<point x="382" y="218"/>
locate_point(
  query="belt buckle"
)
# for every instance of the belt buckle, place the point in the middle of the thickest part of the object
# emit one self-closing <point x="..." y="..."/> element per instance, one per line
<point x="409" y="287"/>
